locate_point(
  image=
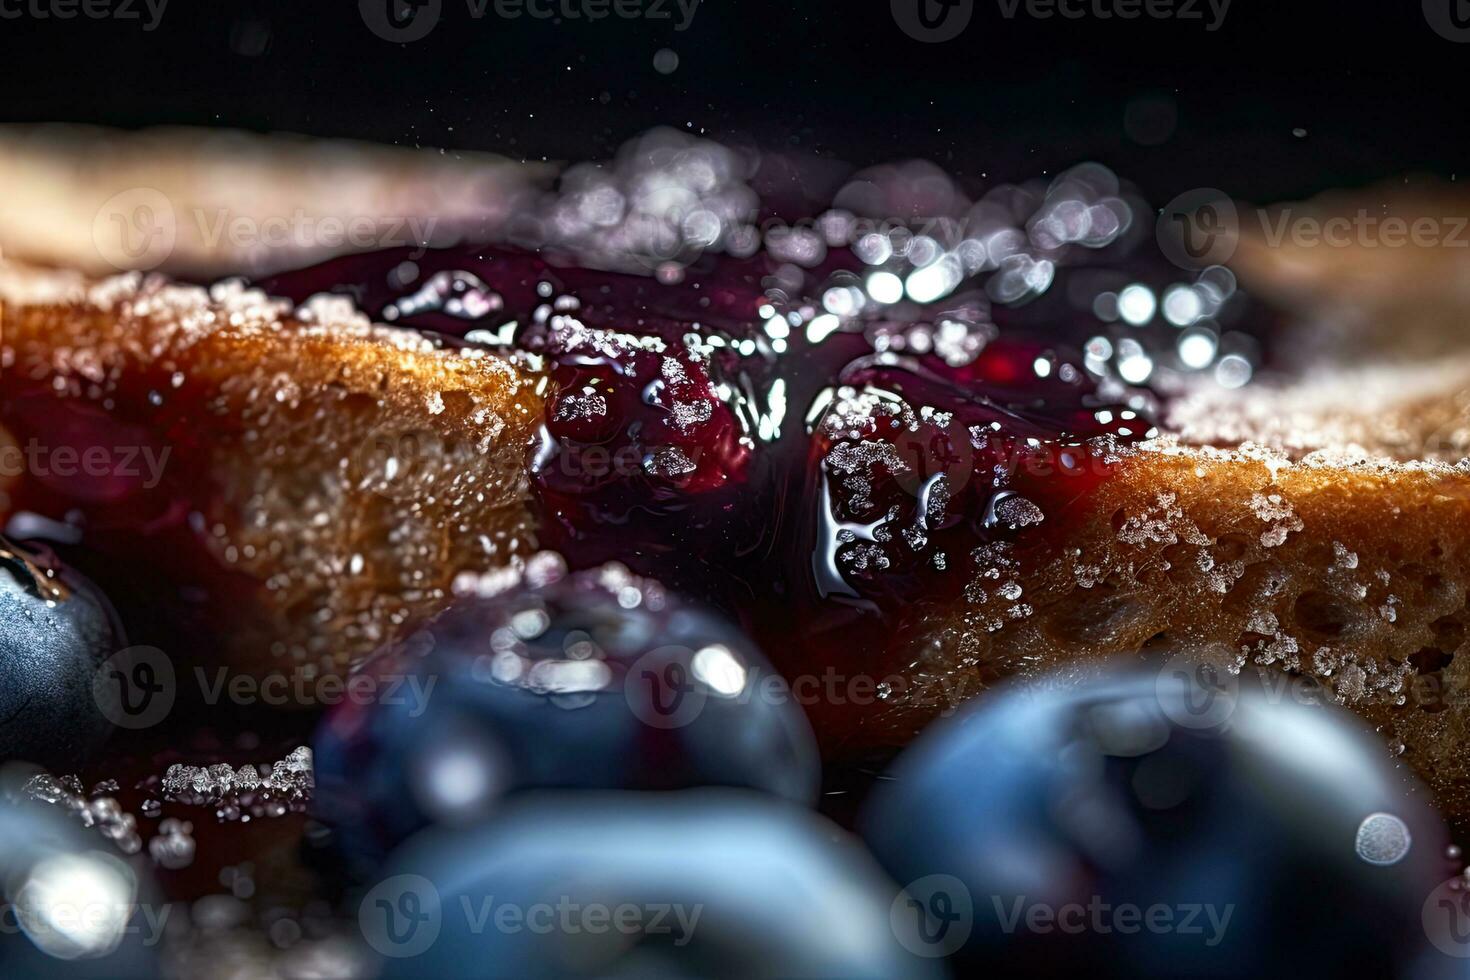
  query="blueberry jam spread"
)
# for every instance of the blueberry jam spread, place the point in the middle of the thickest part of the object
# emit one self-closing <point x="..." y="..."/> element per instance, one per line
<point x="775" y="453"/>
<point x="817" y="432"/>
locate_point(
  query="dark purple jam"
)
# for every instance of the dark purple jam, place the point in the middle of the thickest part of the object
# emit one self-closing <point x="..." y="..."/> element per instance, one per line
<point x="817" y="437"/>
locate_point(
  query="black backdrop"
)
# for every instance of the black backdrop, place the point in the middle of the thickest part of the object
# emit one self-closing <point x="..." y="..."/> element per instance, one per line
<point x="1282" y="99"/>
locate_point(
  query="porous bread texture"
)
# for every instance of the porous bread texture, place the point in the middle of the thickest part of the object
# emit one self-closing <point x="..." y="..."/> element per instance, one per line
<point x="1342" y="574"/>
<point x="352" y="469"/>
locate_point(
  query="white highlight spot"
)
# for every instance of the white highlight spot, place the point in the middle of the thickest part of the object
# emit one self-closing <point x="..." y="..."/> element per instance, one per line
<point x="1383" y="839"/>
<point x="1136" y="304"/>
<point x="885" y="287"/>
<point x="718" y="669"/>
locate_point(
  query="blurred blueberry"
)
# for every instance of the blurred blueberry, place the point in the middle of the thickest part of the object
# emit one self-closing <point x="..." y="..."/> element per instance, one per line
<point x="721" y="883"/>
<point x="593" y="680"/>
<point x="73" y="906"/>
<point x="56" y="629"/>
<point x="1155" y="825"/>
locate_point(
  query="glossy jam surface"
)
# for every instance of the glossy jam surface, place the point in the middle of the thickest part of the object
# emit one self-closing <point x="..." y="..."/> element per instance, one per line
<point x="824" y="443"/>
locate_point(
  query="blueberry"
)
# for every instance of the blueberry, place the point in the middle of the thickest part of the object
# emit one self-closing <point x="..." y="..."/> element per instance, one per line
<point x="55" y="631"/>
<point x="1114" y="825"/>
<point x="615" y="884"/>
<point x="595" y="680"/>
<point x="72" y="905"/>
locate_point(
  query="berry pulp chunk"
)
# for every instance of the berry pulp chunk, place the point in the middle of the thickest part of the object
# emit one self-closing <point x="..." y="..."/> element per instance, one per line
<point x="767" y="439"/>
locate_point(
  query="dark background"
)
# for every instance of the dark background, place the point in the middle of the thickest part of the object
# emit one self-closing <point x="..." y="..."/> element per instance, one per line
<point x="1371" y="89"/>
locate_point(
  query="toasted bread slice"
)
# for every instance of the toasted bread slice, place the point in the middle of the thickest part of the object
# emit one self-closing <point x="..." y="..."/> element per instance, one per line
<point x="337" y="476"/>
<point x="209" y="203"/>
<point x="1318" y="532"/>
<point x="322" y="478"/>
<point x="1380" y="273"/>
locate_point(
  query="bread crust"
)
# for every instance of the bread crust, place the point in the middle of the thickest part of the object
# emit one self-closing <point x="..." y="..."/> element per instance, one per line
<point x="1339" y="568"/>
<point x="327" y="477"/>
